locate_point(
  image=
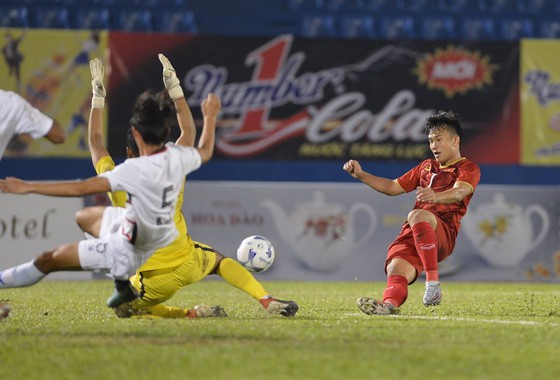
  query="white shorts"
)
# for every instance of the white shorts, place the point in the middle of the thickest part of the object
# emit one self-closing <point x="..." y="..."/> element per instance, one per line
<point x="111" y="220"/>
<point x="110" y="254"/>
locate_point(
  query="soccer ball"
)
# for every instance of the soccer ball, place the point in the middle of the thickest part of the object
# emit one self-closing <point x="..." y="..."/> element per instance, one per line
<point x="256" y="253"/>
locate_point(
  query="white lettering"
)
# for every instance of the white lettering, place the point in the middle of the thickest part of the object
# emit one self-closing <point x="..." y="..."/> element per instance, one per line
<point x="398" y="120"/>
<point x="463" y="69"/>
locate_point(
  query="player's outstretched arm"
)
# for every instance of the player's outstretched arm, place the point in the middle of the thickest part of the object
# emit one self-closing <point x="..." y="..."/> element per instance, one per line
<point x="95" y="126"/>
<point x="383" y="185"/>
<point x="186" y="123"/>
<point x="184" y="115"/>
<point x="210" y="109"/>
<point x="93" y="185"/>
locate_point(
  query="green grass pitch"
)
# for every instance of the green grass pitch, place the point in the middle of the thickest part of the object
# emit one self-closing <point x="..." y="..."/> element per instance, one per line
<point x="62" y="330"/>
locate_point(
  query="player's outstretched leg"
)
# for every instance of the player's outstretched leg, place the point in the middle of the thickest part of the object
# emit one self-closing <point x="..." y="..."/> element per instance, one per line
<point x="237" y="275"/>
<point x="25" y="274"/>
<point x="433" y="294"/>
<point x="128" y="310"/>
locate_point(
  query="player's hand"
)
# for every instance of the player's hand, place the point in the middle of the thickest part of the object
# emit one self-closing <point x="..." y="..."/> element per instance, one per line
<point x="14" y="185"/>
<point x="211" y="106"/>
<point x="98" y="89"/>
<point x="426" y="194"/>
<point x="170" y="80"/>
<point x="353" y="168"/>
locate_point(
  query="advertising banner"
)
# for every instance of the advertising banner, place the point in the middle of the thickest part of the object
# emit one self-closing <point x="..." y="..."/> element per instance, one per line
<point x="33" y="224"/>
<point x="50" y="69"/>
<point x="326" y="232"/>
<point x="287" y="98"/>
<point x="342" y="231"/>
<point x="540" y="102"/>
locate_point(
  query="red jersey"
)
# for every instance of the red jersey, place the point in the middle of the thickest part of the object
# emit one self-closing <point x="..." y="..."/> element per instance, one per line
<point x="429" y="173"/>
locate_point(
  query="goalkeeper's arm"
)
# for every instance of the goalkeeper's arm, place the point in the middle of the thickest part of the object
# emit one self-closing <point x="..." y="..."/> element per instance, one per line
<point x="184" y="115"/>
<point x="95" y="126"/>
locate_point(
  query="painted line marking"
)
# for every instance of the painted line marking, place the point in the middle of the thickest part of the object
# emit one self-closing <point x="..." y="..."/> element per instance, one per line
<point x="462" y="319"/>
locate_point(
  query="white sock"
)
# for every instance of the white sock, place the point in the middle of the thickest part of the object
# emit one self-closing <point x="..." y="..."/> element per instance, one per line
<point x="19" y="276"/>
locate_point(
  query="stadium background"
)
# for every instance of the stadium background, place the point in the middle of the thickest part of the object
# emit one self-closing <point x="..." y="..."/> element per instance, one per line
<point x="307" y="85"/>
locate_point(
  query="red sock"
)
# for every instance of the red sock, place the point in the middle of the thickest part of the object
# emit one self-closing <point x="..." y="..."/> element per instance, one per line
<point x="396" y="291"/>
<point x="426" y="246"/>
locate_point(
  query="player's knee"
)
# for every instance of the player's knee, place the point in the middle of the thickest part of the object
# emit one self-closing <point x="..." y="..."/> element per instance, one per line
<point x="219" y="258"/>
<point x="87" y="218"/>
<point x="81" y="217"/>
<point x="417" y="216"/>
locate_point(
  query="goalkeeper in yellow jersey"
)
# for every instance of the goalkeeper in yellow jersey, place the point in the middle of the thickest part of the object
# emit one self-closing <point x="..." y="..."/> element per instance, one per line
<point x="184" y="261"/>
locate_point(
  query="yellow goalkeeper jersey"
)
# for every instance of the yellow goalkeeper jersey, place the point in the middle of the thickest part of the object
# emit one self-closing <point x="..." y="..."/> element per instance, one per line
<point x="166" y="257"/>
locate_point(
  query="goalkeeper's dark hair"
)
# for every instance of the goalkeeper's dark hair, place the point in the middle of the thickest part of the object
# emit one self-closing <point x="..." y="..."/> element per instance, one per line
<point x="444" y="120"/>
<point x="152" y="116"/>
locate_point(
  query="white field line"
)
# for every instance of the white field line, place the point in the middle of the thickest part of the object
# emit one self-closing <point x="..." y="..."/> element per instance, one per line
<point x="460" y="319"/>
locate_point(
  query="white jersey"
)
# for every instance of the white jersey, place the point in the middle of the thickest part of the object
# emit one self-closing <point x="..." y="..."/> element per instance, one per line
<point x="153" y="184"/>
<point x="19" y="117"/>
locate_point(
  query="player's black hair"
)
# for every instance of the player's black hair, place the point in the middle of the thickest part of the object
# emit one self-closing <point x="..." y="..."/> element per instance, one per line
<point x="152" y="116"/>
<point x="131" y="143"/>
<point x="445" y="120"/>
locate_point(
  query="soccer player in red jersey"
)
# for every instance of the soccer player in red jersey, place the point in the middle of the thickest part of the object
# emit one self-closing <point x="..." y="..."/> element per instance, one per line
<point x="444" y="187"/>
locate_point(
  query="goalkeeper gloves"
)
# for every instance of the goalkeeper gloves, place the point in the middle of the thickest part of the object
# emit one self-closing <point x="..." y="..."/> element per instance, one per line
<point x="170" y="79"/>
<point x="98" y="90"/>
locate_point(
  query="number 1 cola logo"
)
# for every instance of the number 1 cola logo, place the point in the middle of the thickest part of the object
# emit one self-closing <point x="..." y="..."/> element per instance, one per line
<point x="320" y="118"/>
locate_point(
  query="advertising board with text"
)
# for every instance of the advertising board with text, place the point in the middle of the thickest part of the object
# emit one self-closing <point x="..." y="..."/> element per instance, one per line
<point x="540" y="101"/>
<point x="288" y="98"/>
<point x="342" y="231"/>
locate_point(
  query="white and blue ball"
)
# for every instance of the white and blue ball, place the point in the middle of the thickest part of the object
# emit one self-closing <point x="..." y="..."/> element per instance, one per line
<point x="256" y="253"/>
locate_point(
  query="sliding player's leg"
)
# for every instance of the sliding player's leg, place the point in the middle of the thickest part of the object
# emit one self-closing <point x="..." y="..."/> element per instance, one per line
<point x="157" y="286"/>
<point x="238" y="276"/>
<point x="63" y="258"/>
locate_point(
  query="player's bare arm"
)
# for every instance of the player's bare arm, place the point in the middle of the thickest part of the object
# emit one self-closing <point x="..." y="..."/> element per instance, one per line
<point x="210" y="109"/>
<point x="383" y="185"/>
<point x="186" y="123"/>
<point x="93" y="185"/>
<point x="56" y="134"/>
<point x="454" y="195"/>
<point x="95" y="126"/>
<point x="184" y="115"/>
<point x="95" y="135"/>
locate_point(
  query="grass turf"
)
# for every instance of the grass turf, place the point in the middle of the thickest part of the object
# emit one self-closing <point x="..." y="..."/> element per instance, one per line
<point x="61" y="330"/>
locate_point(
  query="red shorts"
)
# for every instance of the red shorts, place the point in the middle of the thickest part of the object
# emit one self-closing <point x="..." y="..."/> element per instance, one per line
<point x="403" y="247"/>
